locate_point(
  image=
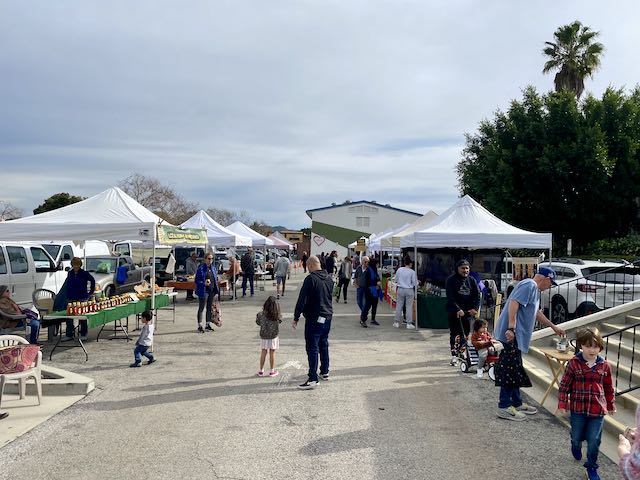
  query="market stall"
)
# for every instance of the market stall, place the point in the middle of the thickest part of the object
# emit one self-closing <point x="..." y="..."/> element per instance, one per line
<point x="468" y="225"/>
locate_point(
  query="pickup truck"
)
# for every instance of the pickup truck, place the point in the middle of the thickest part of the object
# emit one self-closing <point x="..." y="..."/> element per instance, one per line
<point x="104" y="269"/>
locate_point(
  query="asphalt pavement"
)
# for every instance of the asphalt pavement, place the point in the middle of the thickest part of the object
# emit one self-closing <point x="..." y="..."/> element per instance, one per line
<point x="392" y="409"/>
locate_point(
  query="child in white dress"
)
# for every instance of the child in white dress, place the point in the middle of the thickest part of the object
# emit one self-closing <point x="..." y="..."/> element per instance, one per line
<point x="269" y="320"/>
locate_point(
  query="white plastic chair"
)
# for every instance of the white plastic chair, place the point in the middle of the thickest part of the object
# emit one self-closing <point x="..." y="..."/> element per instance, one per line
<point x="34" y="371"/>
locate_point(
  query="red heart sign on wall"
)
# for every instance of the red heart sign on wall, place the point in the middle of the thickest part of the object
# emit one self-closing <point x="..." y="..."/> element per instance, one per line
<point x="318" y="239"/>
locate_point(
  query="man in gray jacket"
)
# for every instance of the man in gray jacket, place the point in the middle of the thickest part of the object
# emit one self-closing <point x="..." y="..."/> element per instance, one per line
<point x="191" y="267"/>
<point x="315" y="302"/>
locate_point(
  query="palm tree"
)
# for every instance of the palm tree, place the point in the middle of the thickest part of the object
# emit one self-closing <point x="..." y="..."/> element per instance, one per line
<point x="575" y="54"/>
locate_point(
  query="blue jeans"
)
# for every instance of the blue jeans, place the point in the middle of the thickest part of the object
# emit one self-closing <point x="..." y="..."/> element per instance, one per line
<point x="142" y="350"/>
<point x="587" y="428"/>
<point x="246" y="276"/>
<point x="316" y="337"/>
<point x="35" y="329"/>
<point x="360" y="298"/>
<point x="509" y="397"/>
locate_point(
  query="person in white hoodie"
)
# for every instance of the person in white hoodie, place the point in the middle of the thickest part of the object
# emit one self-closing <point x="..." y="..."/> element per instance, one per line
<point x="144" y="342"/>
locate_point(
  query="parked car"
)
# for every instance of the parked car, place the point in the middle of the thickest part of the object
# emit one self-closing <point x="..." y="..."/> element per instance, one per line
<point x="63" y="252"/>
<point x="105" y="268"/>
<point x="25" y="267"/>
<point x="588" y="286"/>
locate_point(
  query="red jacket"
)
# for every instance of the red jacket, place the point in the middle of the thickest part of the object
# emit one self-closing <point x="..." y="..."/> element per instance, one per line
<point x="590" y="389"/>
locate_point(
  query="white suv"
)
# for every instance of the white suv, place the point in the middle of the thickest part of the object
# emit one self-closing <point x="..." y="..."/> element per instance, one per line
<point x="588" y="286"/>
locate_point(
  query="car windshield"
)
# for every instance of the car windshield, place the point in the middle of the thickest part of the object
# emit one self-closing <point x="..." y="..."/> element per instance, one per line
<point x="101" y="265"/>
<point x="621" y="275"/>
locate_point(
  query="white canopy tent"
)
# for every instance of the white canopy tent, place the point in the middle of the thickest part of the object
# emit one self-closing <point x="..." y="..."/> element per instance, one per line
<point x="257" y="240"/>
<point x="419" y="224"/>
<point x="280" y="241"/>
<point x="384" y="241"/>
<point x="110" y="215"/>
<point x="217" y="235"/>
<point x="467" y="224"/>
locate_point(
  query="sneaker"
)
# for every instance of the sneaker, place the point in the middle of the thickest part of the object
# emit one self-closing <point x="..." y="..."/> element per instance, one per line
<point x="151" y="360"/>
<point x="278" y="297"/>
<point x="274" y="373"/>
<point x="454" y="361"/>
<point x="480" y="374"/>
<point x="410" y="326"/>
<point x="576" y="452"/>
<point x="324" y="376"/>
<point x="373" y="322"/>
<point x="592" y="473"/>
<point x="396" y="325"/>
<point x="308" y="385"/>
<point x="511" y="414"/>
<point x="3" y="415"/>
<point x="209" y="327"/>
<point x="260" y="373"/>
<point x="345" y="301"/>
<point x="363" y="324"/>
<point x="135" y="364"/>
<point x="200" y="329"/>
<point x="527" y="409"/>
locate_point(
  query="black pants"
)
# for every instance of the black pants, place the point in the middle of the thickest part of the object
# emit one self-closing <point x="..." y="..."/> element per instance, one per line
<point x="208" y="301"/>
<point x="458" y="326"/>
<point x="370" y="303"/>
<point x="343" y="284"/>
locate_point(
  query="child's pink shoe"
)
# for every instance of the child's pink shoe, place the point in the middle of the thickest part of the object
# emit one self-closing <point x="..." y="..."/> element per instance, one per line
<point x="274" y="373"/>
<point x="261" y="373"/>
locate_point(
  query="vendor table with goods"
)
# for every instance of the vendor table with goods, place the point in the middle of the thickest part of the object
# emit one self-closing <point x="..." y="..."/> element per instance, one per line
<point x="223" y="284"/>
<point x="99" y="314"/>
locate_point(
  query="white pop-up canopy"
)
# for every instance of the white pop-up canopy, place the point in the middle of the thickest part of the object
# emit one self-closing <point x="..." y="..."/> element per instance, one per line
<point x="280" y="241"/>
<point x="467" y="224"/>
<point x="217" y="235"/>
<point x="383" y="242"/>
<point x="420" y="224"/>
<point x="110" y="215"/>
<point x="257" y="240"/>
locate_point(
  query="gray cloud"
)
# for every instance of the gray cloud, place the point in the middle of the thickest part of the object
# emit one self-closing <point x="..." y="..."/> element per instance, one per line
<point x="274" y="107"/>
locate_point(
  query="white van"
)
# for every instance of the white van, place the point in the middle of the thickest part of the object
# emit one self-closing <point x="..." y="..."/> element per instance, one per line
<point x="141" y="251"/>
<point x="25" y="267"/>
<point x="63" y="252"/>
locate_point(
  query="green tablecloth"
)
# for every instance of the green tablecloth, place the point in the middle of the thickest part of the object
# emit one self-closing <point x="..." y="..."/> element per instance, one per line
<point x="98" y="319"/>
<point x="432" y="312"/>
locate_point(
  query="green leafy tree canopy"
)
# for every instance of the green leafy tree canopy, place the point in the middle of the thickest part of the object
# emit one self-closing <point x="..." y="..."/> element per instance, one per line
<point x="56" y="201"/>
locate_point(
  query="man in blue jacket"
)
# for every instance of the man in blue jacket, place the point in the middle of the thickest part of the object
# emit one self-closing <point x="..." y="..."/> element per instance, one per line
<point x="79" y="285"/>
<point x="315" y="303"/>
<point x="207" y="290"/>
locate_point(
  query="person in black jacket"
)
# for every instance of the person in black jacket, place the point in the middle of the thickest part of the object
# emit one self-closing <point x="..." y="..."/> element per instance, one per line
<point x="330" y="262"/>
<point x="315" y="303"/>
<point x="371" y="290"/>
<point x="248" y="271"/>
<point x="463" y="301"/>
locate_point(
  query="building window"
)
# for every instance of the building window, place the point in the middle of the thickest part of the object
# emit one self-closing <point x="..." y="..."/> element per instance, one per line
<point x="369" y="209"/>
<point x="362" y="221"/>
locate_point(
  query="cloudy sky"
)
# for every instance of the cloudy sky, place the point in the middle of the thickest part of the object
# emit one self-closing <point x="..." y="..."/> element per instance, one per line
<point x="273" y="107"/>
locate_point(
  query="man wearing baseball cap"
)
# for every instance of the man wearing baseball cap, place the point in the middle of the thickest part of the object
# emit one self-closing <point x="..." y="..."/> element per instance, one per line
<point x="514" y="329"/>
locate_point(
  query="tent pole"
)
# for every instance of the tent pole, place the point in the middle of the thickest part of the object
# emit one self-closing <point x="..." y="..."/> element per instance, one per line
<point x="153" y="275"/>
<point x="415" y="288"/>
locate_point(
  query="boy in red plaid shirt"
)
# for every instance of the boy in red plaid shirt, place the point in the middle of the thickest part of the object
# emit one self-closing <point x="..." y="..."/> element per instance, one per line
<point x="587" y="383"/>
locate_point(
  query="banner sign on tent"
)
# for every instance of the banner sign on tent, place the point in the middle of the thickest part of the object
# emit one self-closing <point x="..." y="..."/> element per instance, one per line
<point x="173" y="235"/>
<point x="361" y="246"/>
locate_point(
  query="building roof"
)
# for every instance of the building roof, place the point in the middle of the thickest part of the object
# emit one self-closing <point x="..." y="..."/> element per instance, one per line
<point x="359" y="202"/>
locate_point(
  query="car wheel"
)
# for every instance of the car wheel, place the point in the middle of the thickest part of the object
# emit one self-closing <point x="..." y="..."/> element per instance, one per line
<point x="559" y="311"/>
<point x="110" y="291"/>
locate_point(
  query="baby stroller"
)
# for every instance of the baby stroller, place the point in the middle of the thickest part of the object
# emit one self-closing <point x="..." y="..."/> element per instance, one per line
<point x="468" y="357"/>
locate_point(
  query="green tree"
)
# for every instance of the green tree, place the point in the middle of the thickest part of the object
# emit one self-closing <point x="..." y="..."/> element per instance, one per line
<point x="548" y="164"/>
<point x="575" y="54"/>
<point x="57" y="201"/>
